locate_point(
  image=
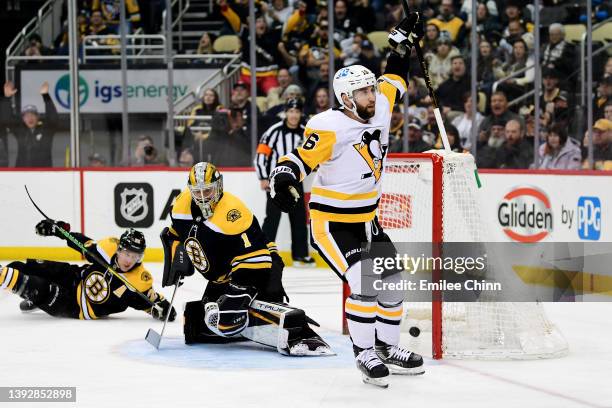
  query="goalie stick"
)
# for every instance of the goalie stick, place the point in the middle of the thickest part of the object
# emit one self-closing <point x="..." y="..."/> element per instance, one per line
<point x="432" y="93"/>
<point x="154" y="338"/>
<point x="95" y="257"/>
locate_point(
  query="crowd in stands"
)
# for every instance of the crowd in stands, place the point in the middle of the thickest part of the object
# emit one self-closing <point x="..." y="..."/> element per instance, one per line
<point x="292" y="62"/>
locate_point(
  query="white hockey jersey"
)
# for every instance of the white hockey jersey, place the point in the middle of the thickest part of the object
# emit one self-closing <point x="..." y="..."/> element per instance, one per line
<point x="350" y="156"/>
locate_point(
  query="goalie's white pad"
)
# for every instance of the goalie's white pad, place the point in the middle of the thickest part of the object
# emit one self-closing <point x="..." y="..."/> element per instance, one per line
<point x="284" y="327"/>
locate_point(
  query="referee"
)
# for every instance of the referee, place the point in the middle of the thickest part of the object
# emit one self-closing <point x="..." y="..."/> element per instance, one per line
<point x="279" y="140"/>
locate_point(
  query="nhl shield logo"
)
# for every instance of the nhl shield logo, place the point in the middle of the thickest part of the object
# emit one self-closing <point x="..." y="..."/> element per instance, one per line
<point x="134" y="205"/>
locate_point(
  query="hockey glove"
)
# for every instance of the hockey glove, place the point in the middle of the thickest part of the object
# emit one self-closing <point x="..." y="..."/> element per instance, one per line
<point x="166" y="308"/>
<point x="284" y="188"/>
<point x="406" y="34"/>
<point x="48" y="228"/>
<point x="229" y="315"/>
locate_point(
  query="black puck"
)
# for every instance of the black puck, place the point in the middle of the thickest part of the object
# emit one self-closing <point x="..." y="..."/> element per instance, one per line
<point x="414" y="331"/>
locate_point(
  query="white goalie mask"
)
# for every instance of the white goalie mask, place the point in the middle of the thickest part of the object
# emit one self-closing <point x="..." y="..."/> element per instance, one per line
<point x="349" y="79"/>
<point x="206" y="187"/>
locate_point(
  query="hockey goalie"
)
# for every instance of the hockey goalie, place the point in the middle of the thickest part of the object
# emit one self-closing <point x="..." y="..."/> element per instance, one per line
<point x="215" y="234"/>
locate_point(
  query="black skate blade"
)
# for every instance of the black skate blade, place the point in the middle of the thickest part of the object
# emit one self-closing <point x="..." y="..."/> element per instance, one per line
<point x="153" y="338"/>
<point x="382" y="382"/>
<point x="398" y="370"/>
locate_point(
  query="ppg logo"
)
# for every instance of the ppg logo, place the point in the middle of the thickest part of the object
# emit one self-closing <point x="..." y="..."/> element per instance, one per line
<point x="589" y="218"/>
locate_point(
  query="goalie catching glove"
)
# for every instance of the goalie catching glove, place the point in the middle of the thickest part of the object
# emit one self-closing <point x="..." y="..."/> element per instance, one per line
<point x="403" y="37"/>
<point x="284" y="187"/>
<point x="49" y="228"/>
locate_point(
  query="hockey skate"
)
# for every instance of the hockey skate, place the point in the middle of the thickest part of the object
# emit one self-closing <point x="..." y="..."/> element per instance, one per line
<point x="399" y="360"/>
<point x="27" y="306"/>
<point x="373" y="370"/>
<point x="304" y="262"/>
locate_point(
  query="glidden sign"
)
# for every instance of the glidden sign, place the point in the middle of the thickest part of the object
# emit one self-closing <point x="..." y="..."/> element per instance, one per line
<point x="525" y="214"/>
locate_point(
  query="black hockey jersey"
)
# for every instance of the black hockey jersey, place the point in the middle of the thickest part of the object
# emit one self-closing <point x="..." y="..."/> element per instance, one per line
<point x="99" y="293"/>
<point x="229" y="246"/>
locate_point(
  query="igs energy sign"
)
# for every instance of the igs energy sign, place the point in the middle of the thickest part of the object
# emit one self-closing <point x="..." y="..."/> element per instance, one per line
<point x="525" y="214"/>
<point x="100" y="91"/>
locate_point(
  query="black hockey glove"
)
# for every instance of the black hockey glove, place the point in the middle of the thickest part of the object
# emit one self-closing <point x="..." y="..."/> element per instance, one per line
<point x="165" y="305"/>
<point x="284" y="188"/>
<point x="48" y="228"/>
<point x="403" y="37"/>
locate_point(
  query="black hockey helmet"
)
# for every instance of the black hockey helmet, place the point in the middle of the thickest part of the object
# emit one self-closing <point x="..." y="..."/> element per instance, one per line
<point x="132" y="240"/>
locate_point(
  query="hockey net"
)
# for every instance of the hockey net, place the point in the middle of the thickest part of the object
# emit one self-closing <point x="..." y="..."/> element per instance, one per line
<point x="433" y="197"/>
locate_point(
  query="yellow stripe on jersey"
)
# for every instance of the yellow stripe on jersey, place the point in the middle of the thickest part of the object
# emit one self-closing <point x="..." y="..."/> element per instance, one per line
<point x="389" y="84"/>
<point x="360" y="308"/>
<point x="108" y="247"/>
<point x="343" y="196"/>
<point x="336" y="217"/>
<point x="323" y="240"/>
<point x="395" y="313"/>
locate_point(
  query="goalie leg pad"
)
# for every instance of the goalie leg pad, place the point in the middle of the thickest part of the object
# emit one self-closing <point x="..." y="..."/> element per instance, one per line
<point x="286" y="328"/>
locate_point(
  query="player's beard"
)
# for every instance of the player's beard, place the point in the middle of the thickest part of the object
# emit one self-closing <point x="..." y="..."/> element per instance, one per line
<point x="365" y="112"/>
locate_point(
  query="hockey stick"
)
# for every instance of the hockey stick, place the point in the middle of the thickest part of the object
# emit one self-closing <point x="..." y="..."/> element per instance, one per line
<point x="432" y="93"/>
<point x="95" y="257"/>
<point x="152" y="336"/>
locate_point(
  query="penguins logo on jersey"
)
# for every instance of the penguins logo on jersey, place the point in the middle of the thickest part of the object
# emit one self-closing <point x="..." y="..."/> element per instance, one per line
<point x="96" y="287"/>
<point x="196" y="254"/>
<point x="233" y="215"/>
<point x="372" y="152"/>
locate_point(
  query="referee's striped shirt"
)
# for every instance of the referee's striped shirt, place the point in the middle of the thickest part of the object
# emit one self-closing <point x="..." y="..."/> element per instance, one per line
<point x="276" y="142"/>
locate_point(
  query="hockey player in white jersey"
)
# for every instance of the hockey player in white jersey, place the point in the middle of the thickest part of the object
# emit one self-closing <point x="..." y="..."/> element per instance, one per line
<point x="349" y="145"/>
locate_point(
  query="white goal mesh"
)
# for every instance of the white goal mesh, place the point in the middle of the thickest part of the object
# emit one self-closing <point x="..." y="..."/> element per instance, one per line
<point x="432" y="197"/>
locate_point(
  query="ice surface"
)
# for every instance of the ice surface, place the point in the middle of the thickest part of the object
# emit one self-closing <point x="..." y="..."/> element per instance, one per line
<point x="111" y="364"/>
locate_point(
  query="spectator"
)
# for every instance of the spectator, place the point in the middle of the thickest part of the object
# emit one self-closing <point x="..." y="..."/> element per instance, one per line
<point x="453" y="139"/>
<point x="464" y="122"/>
<point x="417" y="92"/>
<point x="240" y="101"/>
<point x="111" y="11"/>
<point x="515" y="152"/>
<point x="396" y="130"/>
<point x="284" y="79"/>
<point x="557" y="111"/>
<point x="604" y="95"/>
<point x="489" y="143"/>
<point x="208" y="105"/>
<point x="279" y="140"/>
<point x="186" y="158"/>
<point x="266" y="53"/>
<point x="36" y="47"/>
<point x="519" y="61"/>
<point x="486" y="24"/>
<point x="34" y="137"/>
<point x="97" y="26"/>
<point x="321" y="102"/>
<point x="350" y="52"/>
<point x="146" y="154"/>
<point x="345" y="25"/>
<point x="516" y="31"/>
<point x="440" y="61"/>
<point x="430" y="128"/>
<point x="608" y="111"/>
<point x="559" y="152"/>
<point x="447" y="21"/>
<point x="322" y="81"/>
<point x="602" y="152"/>
<point x="367" y="57"/>
<point x="315" y="53"/>
<point x="416" y="144"/>
<point x="276" y="13"/>
<point x="277" y="112"/>
<point x="96" y="160"/>
<point x="514" y="13"/>
<point x="451" y="91"/>
<point x="559" y="54"/>
<point x="499" y="110"/>
<point x="430" y="41"/>
<point x="205" y="46"/>
<point x="487" y="63"/>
